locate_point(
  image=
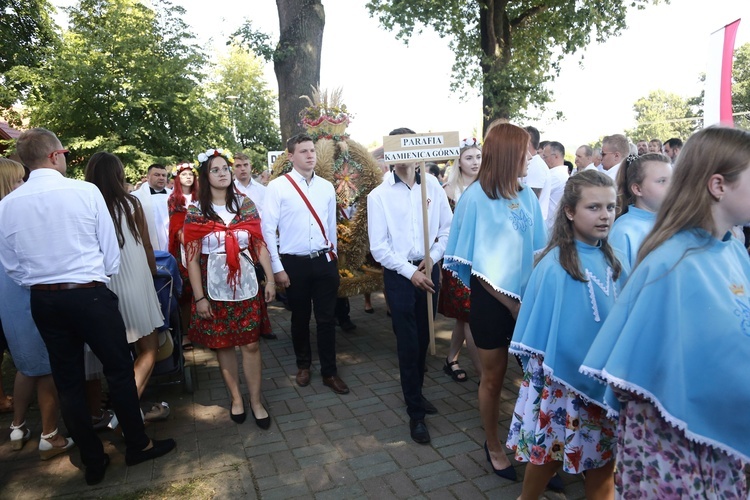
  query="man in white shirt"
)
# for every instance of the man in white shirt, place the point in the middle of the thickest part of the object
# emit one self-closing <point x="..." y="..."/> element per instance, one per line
<point x="153" y="195"/>
<point x="57" y="237"/>
<point x="584" y="158"/>
<point x="553" y="156"/>
<point x="305" y="262"/>
<point x="537" y="172"/>
<point x="243" y="181"/>
<point x="615" y="148"/>
<point x="394" y="224"/>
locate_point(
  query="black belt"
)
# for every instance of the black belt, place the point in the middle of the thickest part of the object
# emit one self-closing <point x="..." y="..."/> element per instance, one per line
<point x="416" y="262"/>
<point x="56" y="287"/>
<point x="311" y="255"/>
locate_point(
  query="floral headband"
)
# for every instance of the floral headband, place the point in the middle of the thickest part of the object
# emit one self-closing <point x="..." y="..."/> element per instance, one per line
<point x="470" y="143"/>
<point x="203" y="157"/>
<point x="630" y="159"/>
<point x="177" y="169"/>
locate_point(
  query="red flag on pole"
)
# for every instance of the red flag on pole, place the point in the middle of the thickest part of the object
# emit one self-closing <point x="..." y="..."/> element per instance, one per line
<point x="717" y="106"/>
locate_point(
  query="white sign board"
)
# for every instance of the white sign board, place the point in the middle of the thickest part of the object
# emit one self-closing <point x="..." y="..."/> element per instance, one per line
<point x="272" y="157"/>
<point x="421" y="147"/>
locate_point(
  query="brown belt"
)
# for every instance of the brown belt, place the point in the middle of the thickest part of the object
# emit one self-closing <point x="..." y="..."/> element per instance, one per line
<point x="56" y="287"/>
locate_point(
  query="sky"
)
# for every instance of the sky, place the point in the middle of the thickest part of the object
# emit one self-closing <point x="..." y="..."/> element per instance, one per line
<point x="388" y="84"/>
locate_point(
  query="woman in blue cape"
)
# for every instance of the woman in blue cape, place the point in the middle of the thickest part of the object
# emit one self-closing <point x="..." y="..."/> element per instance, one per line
<point x="562" y="417"/>
<point x="677" y="342"/>
<point x="496" y="229"/>
<point x="642" y="184"/>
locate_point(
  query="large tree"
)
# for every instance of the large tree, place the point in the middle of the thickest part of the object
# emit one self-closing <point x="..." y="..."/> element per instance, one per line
<point x="296" y="56"/>
<point x="663" y="115"/>
<point x="126" y="78"/>
<point x="510" y="50"/>
<point x="248" y="105"/>
<point x="741" y="86"/>
<point x="27" y="36"/>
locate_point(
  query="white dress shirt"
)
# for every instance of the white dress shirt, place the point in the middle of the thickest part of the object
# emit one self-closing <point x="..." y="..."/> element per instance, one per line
<point x="285" y="211"/>
<point x="57" y="230"/>
<point x="156" y="211"/>
<point x="612" y="172"/>
<point x="537" y="173"/>
<point x="255" y="191"/>
<point x="551" y="193"/>
<point x="394" y="223"/>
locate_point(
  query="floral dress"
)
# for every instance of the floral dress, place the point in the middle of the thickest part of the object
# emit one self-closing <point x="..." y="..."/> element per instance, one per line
<point x="234" y="323"/>
<point x="656" y="460"/>
<point x="563" y="426"/>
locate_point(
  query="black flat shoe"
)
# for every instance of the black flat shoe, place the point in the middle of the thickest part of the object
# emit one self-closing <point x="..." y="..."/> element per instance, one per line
<point x="159" y="447"/>
<point x="370" y="311"/>
<point x="508" y="473"/>
<point x="95" y="475"/>
<point x="237" y="418"/>
<point x="263" y="423"/>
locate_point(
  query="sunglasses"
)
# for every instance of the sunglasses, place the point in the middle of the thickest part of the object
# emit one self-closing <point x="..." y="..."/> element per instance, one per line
<point x="63" y="152"/>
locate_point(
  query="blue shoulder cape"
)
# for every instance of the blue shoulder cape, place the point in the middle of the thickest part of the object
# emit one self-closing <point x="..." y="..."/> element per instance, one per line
<point x="630" y="230"/>
<point x="495" y="239"/>
<point x="679" y="336"/>
<point x="560" y="318"/>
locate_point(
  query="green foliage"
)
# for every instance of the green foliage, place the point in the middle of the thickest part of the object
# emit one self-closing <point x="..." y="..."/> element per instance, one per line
<point x="125" y="78"/>
<point x="511" y="51"/>
<point x="27" y="36"/>
<point x="662" y="115"/>
<point x="256" y="41"/>
<point x="741" y="86"/>
<point x="246" y="104"/>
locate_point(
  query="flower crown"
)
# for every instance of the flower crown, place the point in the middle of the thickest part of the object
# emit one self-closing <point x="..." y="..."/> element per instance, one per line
<point x="470" y="143"/>
<point x="203" y="157"/>
<point x="177" y="169"/>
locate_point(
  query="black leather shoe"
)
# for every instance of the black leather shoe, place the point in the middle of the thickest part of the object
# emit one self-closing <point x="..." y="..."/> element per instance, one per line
<point x="347" y="325"/>
<point x="238" y="418"/>
<point x="429" y="408"/>
<point x="419" y="432"/>
<point x="95" y="474"/>
<point x="160" y="447"/>
<point x="263" y="423"/>
<point x="269" y="336"/>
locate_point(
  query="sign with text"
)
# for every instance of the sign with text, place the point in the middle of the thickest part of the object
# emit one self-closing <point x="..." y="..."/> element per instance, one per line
<point x="272" y="157"/>
<point x="421" y="147"/>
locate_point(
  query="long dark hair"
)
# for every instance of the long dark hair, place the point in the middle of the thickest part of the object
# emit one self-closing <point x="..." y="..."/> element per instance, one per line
<point x="105" y="170"/>
<point x="204" y="191"/>
<point x="562" y="232"/>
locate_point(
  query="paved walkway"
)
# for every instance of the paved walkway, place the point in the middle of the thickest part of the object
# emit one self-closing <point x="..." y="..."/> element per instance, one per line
<point x="320" y="445"/>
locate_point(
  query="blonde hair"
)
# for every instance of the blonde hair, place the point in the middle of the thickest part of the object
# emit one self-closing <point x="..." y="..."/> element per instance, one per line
<point x="10" y="173"/>
<point x="633" y="171"/>
<point x="711" y="151"/>
<point x="562" y="232"/>
<point x="454" y="186"/>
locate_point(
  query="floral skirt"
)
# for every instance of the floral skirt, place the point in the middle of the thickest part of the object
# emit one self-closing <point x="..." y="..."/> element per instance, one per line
<point x="454" y="299"/>
<point x="233" y="324"/>
<point x="656" y="460"/>
<point x="552" y="423"/>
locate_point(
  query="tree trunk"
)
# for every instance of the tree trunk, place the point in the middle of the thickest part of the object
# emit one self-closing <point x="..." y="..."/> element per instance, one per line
<point x="495" y="33"/>
<point x="297" y="58"/>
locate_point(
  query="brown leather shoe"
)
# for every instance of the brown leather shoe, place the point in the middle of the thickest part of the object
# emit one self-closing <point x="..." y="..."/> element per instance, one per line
<point x="336" y="384"/>
<point x="303" y="377"/>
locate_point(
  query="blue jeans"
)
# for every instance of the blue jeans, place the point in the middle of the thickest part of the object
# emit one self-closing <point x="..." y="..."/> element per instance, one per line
<point x="408" y="306"/>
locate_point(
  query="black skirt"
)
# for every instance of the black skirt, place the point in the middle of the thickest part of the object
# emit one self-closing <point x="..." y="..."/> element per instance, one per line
<point x="491" y="322"/>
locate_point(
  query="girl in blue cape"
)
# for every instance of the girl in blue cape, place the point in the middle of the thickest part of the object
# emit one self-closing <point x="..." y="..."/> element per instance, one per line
<point x="677" y="342"/>
<point x="496" y="229"/>
<point x="642" y="184"/>
<point x="561" y="416"/>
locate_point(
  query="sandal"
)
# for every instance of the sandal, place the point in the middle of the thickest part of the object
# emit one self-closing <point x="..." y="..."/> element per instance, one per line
<point x="455" y="372"/>
<point x="157" y="413"/>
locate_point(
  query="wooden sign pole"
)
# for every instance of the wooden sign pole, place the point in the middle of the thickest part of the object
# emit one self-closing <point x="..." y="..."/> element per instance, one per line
<point x="427" y="259"/>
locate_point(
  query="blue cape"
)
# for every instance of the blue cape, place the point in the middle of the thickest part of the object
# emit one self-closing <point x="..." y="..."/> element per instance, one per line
<point x="679" y="335"/>
<point x="560" y="318"/>
<point x="630" y="230"/>
<point x="495" y="239"/>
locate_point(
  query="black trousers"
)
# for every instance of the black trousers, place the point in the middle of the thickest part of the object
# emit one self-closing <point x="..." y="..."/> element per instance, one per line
<point x="66" y="320"/>
<point x="408" y="306"/>
<point x="314" y="286"/>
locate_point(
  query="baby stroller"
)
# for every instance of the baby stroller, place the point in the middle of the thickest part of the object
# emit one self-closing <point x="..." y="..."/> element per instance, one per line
<point x="168" y="283"/>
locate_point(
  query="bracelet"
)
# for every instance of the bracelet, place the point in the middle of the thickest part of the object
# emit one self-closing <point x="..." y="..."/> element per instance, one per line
<point x="200" y="299"/>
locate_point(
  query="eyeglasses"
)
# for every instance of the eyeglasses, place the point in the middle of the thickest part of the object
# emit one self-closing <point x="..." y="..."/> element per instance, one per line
<point x="63" y="152"/>
<point x="220" y="170"/>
